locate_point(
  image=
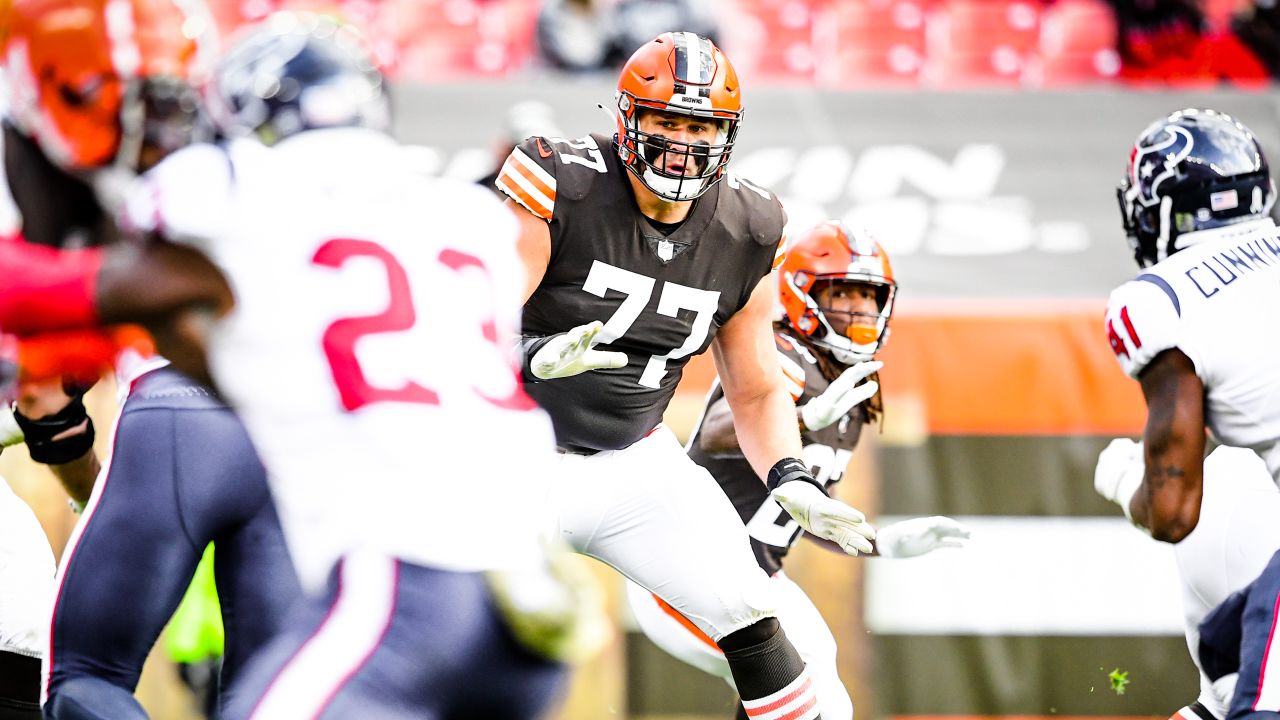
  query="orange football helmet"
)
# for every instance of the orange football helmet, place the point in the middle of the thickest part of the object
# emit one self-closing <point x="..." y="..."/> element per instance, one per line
<point x="686" y="74"/>
<point x="831" y="253"/>
<point x="105" y="82"/>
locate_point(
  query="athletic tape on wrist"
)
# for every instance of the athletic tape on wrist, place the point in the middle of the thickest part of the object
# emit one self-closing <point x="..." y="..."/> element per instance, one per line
<point x="40" y="434"/>
<point x="789" y="470"/>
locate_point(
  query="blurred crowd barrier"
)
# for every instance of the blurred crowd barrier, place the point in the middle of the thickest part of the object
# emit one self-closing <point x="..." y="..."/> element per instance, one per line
<point x="951" y="44"/>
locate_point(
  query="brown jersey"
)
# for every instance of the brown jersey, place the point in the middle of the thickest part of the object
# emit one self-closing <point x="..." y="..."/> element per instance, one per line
<point x="58" y="209"/>
<point x="826" y="452"/>
<point x="662" y="297"/>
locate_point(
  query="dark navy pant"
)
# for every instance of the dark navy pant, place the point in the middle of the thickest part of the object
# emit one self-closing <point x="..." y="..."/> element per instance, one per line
<point x="395" y="641"/>
<point x="1241" y="636"/>
<point x="182" y="474"/>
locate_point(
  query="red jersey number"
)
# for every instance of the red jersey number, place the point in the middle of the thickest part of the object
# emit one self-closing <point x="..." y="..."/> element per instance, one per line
<point x="340" y="337"/>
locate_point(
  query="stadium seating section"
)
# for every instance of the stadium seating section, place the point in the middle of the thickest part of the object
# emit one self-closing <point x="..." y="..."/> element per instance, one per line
<point x="935" y="44"/>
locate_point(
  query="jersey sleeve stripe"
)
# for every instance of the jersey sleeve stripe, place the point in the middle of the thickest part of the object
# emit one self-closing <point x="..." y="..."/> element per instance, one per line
<point x="543" y="180"/>
<point x="792" y="375"/>
<point x="532" y="184"/>
<point x="515" y="186"/>
<point x="781" y="253"/>
<point x="1165" y="286"/>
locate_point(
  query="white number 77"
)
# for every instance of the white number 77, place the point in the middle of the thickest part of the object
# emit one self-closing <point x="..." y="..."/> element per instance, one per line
<point x="638" y="289"/>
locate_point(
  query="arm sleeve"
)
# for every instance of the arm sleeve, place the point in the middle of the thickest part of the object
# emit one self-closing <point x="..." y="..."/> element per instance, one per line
<point x="529" y="177"/>
<point x="1141" y="323"/>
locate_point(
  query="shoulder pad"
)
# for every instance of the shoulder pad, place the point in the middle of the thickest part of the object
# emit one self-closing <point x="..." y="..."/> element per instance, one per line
<point x="1142" y="321"/>
<point x="529" y="177"/>
<point x="184" y="197"/>
<point x="764" y="214"/>
<point x="540" y="169"/>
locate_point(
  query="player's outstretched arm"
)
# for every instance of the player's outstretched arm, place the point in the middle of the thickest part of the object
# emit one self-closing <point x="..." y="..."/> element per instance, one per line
<point x="1168" y="500"/>
<point x="533" y="245"/>
<point x="767" y="429"/>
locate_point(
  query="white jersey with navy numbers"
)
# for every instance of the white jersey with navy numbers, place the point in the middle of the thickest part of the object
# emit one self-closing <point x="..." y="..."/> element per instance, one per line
<point x="1214" y="301"/>
<point x="367" y="352"/>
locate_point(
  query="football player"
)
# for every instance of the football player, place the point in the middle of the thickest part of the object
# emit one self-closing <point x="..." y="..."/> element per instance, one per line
<point x="101" y="91"/>
<point x="318" y="278"/>
<point x="645" y="245"/>
<point x="1195" y="201"/>
<point x="1236" y="535"/>
<point x="837" y="289"/>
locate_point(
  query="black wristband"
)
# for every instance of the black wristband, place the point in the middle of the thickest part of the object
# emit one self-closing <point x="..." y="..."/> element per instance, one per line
<point x="788" y="470"/>
<point x="39" y="434"/>
<point x="529" y="345"/>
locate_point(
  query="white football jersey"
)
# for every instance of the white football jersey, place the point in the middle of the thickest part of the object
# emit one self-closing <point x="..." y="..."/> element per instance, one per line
<point x="1235" y="538"/>
<point x="368" y="350"/>
<point x="1213" y="301"/>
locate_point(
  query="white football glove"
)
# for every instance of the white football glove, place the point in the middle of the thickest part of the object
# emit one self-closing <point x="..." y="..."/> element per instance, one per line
<point x="919" y="536"/>
<point x="10" y="433"/>
<point x="841" y="396"/>
<point x="571" y="353"/>
<point x="825" y="517"/>
<point x="1119" y="472"/>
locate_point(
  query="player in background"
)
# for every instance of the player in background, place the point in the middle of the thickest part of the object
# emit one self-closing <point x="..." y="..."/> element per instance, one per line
<point x="1236" y="535"/>
<point x="645" y="245"/>
<point x="102" y="91"/>
<point x="1195" y="201"/>
<point x="837" y="289"/>
<point x="347" y="310"/>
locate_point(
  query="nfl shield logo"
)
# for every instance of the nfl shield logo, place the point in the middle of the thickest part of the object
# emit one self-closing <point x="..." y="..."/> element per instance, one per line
<point x="665" y="248"/>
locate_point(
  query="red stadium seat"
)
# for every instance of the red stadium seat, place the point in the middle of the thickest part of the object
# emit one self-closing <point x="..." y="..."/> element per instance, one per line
<point x="870" y="43"/>
<point x="772" y="39"/>
<point x="1002" y="66"/>
<point x="980" y="26"/>
<point x="1077" y="45"/>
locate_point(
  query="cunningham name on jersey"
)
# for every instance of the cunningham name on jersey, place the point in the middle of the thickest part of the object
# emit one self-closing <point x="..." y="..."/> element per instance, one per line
<point x="1206" y="301"/>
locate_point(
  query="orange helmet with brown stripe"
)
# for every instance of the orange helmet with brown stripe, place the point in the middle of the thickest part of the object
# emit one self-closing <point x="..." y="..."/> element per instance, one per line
<point x="105" y="82"/>
<point x="686" y="74"/>
<point x="832" y="253"/>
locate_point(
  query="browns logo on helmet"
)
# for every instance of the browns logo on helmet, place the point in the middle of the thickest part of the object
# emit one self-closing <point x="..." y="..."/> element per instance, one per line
<point x="684" y="74"/>
<point x="832" y="253"/>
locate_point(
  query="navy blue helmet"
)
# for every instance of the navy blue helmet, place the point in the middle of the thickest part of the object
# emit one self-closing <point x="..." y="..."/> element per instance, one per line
<point x="297" y="72"/>
<point x="1193" y="170"/>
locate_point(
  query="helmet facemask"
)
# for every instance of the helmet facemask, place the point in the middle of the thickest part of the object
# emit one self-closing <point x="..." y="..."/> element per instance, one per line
<point x="680" y="74"/>
<point x="860" y="333"/>
<point x="649" y="155"/>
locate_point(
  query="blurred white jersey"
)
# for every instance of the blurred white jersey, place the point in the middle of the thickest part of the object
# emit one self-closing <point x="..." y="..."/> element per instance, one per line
<point x="26" y="578"/>
<point x="1235" y="538"/>
<point x="1213" y="301"/>
<point x="367" y="350"/>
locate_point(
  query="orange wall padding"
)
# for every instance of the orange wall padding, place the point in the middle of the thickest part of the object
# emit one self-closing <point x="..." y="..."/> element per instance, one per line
<point x="997" y="367"/>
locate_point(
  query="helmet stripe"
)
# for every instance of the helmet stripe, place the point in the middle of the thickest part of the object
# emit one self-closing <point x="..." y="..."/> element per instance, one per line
<point x="125" y="55"/>
<point x="693" y="59"/>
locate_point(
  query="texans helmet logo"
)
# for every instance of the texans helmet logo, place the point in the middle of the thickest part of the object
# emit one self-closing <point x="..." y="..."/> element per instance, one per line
<point x="1154" y="164"/>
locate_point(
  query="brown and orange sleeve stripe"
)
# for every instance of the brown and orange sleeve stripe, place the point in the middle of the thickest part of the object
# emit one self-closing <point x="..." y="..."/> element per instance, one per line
<point x="526" y="182"/>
